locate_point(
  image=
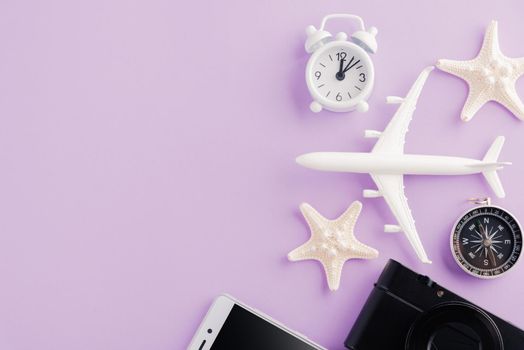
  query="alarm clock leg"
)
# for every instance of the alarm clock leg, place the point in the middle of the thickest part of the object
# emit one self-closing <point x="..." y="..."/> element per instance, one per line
<point x="362" y="106"/>
<point x="315" y="106"/>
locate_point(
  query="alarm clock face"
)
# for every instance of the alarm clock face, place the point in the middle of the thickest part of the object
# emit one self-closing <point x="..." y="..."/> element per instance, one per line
<point x="339" y="75"/>
<point x="486" y="241"/>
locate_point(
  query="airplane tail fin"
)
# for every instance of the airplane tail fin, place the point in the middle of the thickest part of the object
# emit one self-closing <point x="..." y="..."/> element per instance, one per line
<point x="492" y="155"/>
<point x="491" y="160"/>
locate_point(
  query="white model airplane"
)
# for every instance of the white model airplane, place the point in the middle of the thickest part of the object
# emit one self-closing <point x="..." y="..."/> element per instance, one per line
<point x="387" y="164"/>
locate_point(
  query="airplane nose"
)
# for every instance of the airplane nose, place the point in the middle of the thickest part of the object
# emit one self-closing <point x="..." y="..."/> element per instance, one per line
<point x="327" y="161"/>
<point x="306" y="160"/>
<point x="300" y="159"/>
<point x="331" y="161"/>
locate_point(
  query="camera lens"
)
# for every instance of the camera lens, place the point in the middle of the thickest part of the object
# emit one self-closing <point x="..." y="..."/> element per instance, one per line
<point x="455" y="325"/>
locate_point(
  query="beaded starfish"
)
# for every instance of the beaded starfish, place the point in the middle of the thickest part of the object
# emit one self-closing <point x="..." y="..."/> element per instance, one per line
<point x="332" y="242"/>
<point x="491" y="76"/>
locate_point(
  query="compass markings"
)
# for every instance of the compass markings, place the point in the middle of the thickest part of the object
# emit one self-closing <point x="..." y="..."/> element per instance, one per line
<point x="494" y="241"/>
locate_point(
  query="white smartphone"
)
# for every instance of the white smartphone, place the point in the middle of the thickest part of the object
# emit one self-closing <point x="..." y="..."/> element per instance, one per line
<point x="232" y="325"/>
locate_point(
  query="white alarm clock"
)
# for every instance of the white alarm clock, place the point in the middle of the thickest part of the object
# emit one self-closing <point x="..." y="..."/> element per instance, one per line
<point x="339" y="73"/>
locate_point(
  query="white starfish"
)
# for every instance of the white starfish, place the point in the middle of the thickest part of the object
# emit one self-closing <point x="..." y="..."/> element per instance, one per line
<point x="332" y="242"/>
<point x="491" y="76"/>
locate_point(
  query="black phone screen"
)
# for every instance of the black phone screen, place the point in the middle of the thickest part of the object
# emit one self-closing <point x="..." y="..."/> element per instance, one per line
<point x="245" y="330"/>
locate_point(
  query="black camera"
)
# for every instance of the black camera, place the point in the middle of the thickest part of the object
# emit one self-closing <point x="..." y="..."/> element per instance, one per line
<point x="408" y="311"/>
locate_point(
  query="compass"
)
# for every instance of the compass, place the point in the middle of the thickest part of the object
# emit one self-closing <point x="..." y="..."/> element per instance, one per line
<point x="486" y="241"/>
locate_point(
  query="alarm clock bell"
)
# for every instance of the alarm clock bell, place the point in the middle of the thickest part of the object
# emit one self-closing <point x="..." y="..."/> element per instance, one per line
<point x="316" y="38"/>
<point x="366" y="39"/>
<point x="363" y="38"/>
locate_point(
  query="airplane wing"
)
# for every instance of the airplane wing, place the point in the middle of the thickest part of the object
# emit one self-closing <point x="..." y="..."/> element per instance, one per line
<point x="392" y="139"/>
<point x="391" y="187"/>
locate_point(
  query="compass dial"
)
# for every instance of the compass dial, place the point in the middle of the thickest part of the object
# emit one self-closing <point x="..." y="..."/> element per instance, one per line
<point x="486" y="241"/>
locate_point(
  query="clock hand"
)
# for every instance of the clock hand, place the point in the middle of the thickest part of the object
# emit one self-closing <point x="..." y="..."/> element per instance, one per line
<point x="340" y="74"/>
<point x="349" y="65"/>
<point x="351" y="60"/>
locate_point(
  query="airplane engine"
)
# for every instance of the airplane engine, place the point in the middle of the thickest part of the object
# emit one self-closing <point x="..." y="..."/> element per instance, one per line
<point x="392" y="228"/>
<point x="369" y="134"/>
<point x="371" y="194"/>
<point x="394" y="100"/>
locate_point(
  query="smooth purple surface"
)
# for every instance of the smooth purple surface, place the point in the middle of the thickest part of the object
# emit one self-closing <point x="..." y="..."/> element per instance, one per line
<point x="147" y="152"/>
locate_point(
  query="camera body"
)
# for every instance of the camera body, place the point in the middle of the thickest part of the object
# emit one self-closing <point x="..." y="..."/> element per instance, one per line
<point x="408" y="311"/>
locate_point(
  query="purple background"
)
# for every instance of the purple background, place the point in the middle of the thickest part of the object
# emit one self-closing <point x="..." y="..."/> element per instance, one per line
<point x="147" y="152"/>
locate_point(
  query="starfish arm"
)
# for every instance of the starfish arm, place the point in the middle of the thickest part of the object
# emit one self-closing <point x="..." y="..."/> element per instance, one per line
<point x="349" y="218"/>
<point x="461" y="69"/>
<point x="508" y="98"/>
<point x="315" y="221"/>
<point x="490" y="44"/>
<point x="519" y="65"/>
<point x="333" y="269"/>
<point x="361" y="251"/>
<point x="476" y="99"/>
<point x="304" y="252"/>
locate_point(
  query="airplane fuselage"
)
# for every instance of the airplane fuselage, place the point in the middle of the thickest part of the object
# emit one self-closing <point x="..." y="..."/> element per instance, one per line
<point x="392" y="164"/>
